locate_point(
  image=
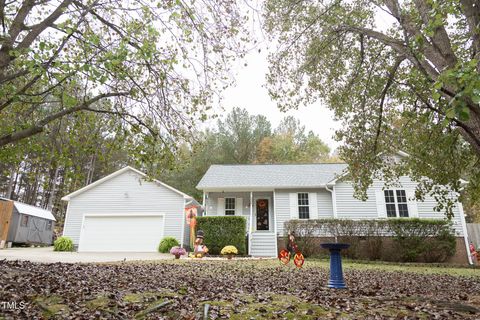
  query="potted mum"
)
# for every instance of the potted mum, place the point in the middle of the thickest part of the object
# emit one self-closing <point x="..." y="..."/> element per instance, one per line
<point x="229" y="251"/>
<point x="177" y="252"/>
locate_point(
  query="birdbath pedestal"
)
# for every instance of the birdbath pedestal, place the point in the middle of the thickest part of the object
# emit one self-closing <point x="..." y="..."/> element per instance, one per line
<point x="336" y="274"/>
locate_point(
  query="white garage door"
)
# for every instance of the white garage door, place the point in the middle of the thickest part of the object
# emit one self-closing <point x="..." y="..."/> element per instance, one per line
<point x="121" y="233"/>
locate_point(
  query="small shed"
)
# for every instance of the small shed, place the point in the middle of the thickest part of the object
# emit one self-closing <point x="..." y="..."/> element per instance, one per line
<point x="23" y="223"/>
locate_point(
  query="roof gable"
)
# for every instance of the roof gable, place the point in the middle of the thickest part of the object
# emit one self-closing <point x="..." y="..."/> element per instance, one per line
<point x="115" y="174"/>
<point x="270" y="176"/>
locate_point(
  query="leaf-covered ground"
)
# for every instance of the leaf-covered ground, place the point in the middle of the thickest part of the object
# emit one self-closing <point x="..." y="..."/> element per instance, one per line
<point x="231" y="289"/>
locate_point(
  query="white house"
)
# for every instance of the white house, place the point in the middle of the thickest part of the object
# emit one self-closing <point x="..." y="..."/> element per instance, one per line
<point x="269" y="195"/>
<point x="125" y="211"/>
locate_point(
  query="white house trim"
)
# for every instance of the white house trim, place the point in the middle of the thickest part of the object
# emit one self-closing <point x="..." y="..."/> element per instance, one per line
<point x="183" y="222"/>
<point x="250" y="227"/>
<point x="113" y="175"/>
<point x="275" y="221"/>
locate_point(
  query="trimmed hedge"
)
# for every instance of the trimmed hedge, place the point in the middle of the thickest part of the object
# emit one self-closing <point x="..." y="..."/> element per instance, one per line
<point x="429" y="240"/>
<point x="414" y="239"/>
<point x="221" y="231"/>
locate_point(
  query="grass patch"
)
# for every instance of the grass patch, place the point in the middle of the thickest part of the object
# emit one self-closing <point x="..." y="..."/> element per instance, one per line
<point x="421" y="268"/>
<point x="52" y="306"/>
<point x="100" y="302"/>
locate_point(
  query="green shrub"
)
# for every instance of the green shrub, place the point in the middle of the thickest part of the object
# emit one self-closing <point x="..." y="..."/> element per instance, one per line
<point x="222" y="231"/>
<point x="167" y="243"/>
<point x="63" y="244"/>
<point x="430" y="240"/>
<point x="414" y="239"/>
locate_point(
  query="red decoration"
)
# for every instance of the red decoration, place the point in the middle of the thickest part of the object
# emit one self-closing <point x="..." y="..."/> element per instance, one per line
<point x="299" y="260"/>
<point x="262" y="204"/>
<point x="284" y="256"/>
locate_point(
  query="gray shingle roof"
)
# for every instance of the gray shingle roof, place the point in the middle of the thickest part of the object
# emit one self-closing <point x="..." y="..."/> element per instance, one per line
<point x="270" y="176"/>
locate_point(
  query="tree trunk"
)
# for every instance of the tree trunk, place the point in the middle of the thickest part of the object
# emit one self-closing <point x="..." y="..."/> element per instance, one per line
<point x="53" y="190"/>
<point x="11" y="183"/>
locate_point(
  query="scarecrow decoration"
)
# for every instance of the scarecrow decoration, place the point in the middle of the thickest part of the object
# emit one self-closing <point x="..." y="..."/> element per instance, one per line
<point x="199" y="249"/>
<point x="191" y="215"/>
<point x="292" y="249"/>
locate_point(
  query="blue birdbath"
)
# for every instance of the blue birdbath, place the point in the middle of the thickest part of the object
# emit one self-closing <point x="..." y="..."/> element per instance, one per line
<point x="336" y="274"/>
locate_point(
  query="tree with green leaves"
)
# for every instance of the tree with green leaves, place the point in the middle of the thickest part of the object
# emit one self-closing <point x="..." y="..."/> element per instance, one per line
<point x="400" y="75"/>
<point x="239" y="135"/>
<point x="155" y="65"/>
<point x="291" y="144"/>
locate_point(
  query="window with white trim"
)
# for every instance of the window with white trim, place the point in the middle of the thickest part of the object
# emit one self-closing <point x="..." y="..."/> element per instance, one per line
<point x="229" y="206"/>
<point x="396" y="203"/>
<point x="303" y="206"/>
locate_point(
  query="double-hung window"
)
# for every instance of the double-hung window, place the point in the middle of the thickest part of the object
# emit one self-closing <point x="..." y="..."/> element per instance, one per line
<point x="229" y="206"/>
<point x="396" y="203"/>
<point x="303" y="206"/>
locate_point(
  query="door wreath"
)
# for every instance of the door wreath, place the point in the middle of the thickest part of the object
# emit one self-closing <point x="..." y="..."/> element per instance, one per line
<point x="262" y="204"/>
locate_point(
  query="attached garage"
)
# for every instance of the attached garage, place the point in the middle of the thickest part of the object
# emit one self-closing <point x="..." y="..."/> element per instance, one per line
<point x="126" y="233"/>
<point x="125" y="212"/>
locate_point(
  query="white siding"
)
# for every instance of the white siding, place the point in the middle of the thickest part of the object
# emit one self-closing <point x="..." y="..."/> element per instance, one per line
<point x="214" y="204"/>
<point x="282" y="209"/>
<point x="350" y="208"/>
<point x="324" y="204"/>
<point x="283" y="205"/>
<point x="126" y="193"/>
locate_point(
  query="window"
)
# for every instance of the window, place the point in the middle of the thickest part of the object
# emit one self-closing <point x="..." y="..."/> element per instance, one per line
<point x="229" y="206"/>
<point x="303" y="206"/>
<point x="396" y="203"/>
<point x="48" y="226"/>
<point x="24" y="222"/>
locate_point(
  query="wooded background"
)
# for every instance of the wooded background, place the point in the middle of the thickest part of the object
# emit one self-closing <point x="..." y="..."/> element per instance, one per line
<point x="83" y="148"/>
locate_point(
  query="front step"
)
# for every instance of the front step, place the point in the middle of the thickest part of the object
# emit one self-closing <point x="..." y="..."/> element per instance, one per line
<point x="263" y="244"/>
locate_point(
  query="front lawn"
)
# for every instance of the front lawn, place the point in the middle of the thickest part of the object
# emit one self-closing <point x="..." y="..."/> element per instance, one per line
<point x="237" y="290"/>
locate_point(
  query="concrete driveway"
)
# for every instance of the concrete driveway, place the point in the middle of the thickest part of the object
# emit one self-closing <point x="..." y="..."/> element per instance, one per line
<point x="46" y="254"/>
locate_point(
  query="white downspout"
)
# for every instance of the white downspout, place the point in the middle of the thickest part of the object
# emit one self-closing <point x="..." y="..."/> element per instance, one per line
<point x="465" y="232"/>
<point x="203" y="204"/>
<point x="334" y="201"/>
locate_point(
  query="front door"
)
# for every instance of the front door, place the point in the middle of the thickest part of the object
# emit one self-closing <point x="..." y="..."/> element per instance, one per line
<point x="263" y="219"/>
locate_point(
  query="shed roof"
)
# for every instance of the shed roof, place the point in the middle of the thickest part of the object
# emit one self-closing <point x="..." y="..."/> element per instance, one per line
<point x="117" y="173"/>
<point x="270" y="176"/>
<point x="32" y="210"/>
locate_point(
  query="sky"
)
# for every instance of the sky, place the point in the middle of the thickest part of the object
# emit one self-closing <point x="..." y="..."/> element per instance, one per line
<point x="250" y="92"/>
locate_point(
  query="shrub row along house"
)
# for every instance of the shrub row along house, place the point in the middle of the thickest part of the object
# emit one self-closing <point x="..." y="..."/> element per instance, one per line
<point x="127" y="212"/>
